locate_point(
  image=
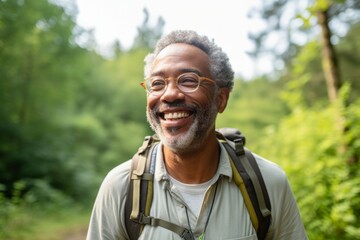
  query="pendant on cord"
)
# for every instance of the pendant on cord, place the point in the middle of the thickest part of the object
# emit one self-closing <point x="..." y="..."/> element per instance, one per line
<point x="202" y="236"/>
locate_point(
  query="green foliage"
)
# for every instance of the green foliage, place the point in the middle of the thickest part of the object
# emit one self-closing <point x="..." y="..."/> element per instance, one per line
<point x="348" y="50"/>
<point x="253" y="105"/>
<point x="115" y="108"/>
<point x="305" y="80"/>
<point x="305" y="83"/>
<point x="11" y="215"/>
<point x="37" y="36"/>
<point x="286" y="26"/>
<point x="307" y="144"/>
<point x="42" y="207"/>
<point x="66" y="113"/>
<point x="21" y="210"/>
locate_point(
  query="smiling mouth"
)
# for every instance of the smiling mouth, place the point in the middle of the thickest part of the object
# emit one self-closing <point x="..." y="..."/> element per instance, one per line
<point x="174" y="115"/>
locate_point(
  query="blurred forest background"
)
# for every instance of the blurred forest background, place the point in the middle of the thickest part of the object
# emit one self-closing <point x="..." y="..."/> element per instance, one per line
<point x="68" y="115"/>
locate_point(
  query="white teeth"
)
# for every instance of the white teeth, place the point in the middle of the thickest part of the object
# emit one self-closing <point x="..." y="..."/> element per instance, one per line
<point x="176" y="115"/>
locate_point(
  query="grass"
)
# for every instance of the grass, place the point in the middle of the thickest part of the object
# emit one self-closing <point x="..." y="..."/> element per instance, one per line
<point x="57" y="224"/>
<point x="68" y="225"/>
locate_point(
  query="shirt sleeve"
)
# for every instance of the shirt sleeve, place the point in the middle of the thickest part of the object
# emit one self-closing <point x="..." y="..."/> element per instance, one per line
<point x="289" y="224"/>
<point x="107" y="220"/>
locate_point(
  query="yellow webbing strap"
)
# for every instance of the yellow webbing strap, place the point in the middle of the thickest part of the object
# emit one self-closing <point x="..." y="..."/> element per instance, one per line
<point x="136" y="177"/>
<point x="240" y="183"/>
<point x="149" y="198"/>
<point x="150" y="182"/>
<point x="148" y="201"/>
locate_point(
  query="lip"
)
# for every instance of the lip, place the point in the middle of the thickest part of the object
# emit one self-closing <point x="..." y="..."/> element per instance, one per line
<point x="175" y="117"/>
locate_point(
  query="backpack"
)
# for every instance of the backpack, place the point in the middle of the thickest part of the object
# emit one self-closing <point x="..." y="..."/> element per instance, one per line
<point x="246" y="175"/>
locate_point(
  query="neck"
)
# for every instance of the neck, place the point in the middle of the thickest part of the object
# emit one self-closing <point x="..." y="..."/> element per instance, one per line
<point x="197" y="166"/>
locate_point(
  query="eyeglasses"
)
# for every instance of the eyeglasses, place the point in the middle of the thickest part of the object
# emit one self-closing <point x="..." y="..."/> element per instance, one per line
<point x="186" y="82"/>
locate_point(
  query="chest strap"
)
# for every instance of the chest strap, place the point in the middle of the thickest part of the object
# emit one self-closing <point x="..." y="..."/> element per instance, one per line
<point x="184" y="233"/>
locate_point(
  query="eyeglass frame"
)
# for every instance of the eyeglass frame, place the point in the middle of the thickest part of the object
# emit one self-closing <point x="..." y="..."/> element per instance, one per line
<point x="166" y="80"/>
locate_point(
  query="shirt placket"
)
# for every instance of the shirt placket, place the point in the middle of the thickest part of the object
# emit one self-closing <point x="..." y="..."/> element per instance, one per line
<point x="197" y="224"/>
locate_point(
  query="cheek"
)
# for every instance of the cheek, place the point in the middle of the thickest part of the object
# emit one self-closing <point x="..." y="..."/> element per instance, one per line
<point x="151" y="102"/>
<point x="206" y="97"/>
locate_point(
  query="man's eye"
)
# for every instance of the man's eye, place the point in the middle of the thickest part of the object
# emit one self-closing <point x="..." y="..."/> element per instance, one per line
<point x="157" y="84"/>
<point x="188" y="81"/>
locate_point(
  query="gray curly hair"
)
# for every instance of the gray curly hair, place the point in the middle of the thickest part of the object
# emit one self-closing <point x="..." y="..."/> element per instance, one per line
<point x="220" y="66"/>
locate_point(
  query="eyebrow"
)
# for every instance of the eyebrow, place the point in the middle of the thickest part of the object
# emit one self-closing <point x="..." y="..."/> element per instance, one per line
<point x="181" y="71"/>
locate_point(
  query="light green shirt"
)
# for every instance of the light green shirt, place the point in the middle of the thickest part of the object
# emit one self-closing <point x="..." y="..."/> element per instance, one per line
<point x="229" y="218"/>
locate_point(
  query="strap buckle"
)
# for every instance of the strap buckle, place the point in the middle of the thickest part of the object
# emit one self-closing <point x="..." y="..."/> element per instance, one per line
<point x="144" y="219"/>
<point x="239" y="146"/>
<point x="187" y="235"/>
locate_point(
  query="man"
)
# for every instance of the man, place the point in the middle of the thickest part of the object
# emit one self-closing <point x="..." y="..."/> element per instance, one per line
<point x="188" y="81"/>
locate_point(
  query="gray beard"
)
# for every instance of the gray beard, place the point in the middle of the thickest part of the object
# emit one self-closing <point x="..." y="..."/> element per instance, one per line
<point x="194" y="137"/>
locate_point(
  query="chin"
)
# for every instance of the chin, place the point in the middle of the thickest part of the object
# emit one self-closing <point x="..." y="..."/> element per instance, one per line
<point x="184" y="141"/>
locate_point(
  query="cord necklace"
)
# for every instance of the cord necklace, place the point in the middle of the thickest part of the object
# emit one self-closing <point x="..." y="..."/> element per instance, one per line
<point x="202" y="236"/>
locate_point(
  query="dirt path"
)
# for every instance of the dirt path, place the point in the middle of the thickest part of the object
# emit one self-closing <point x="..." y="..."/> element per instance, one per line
<point x="79" y="234"/>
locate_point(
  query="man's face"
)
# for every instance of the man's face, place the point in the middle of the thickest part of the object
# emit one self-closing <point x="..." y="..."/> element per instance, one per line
<point x="183" y="120"/>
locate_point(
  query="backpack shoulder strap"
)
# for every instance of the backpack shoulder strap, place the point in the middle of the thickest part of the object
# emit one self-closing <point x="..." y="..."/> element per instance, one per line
<point x="249" y="179"/>
<point x="139" y="197"/>
<point x="140" y="192"/>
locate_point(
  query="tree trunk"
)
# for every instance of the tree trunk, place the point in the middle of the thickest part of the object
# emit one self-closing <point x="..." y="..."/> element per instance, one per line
<point x="329" y="59"/>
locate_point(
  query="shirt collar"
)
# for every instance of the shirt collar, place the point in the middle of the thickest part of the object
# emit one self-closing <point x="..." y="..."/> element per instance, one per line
<point x="223" y="169"/>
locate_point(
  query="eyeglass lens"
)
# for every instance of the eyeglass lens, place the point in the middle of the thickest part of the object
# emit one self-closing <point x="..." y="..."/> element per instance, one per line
<point x="187" y="82"/>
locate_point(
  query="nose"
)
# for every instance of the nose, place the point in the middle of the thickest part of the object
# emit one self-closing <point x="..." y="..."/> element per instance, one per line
<point x="172" y="93"/>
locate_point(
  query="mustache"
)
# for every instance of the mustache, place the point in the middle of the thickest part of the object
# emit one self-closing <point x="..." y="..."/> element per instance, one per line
<point x="167" y="106"/>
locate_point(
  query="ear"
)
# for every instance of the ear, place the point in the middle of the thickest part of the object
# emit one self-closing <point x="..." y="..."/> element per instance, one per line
<point x="222" y="99"/>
